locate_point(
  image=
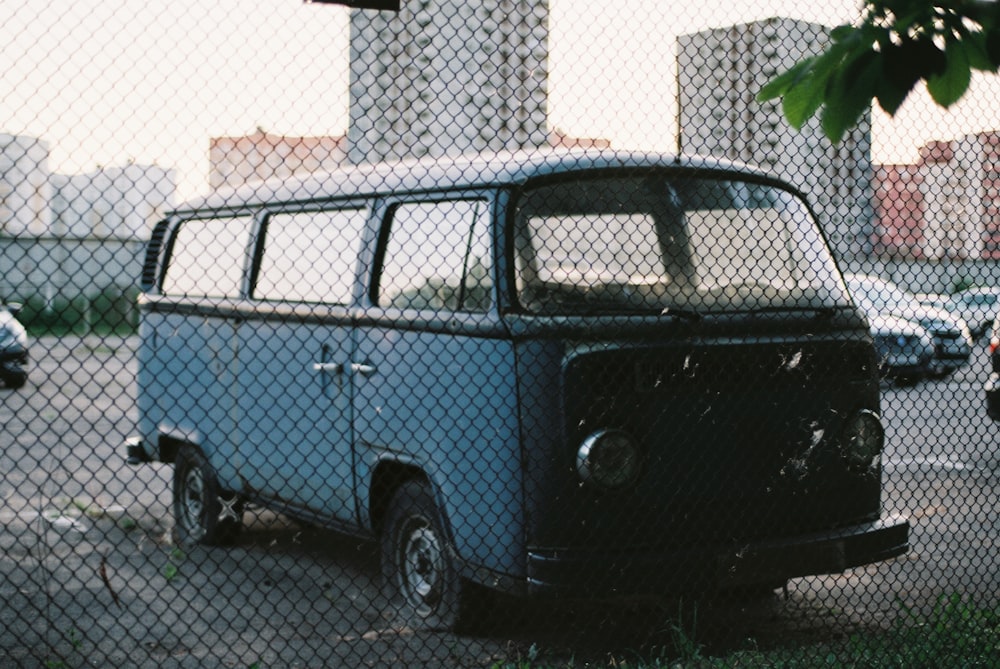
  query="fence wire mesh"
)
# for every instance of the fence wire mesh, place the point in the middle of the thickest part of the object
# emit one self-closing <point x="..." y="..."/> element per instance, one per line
<point x="344" y="337"/>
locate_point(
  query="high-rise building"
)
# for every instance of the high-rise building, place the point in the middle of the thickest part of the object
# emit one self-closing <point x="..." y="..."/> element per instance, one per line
<point x="25" y="190"/>
<point x="447" y="77"/>
<point x="720" y="74"/>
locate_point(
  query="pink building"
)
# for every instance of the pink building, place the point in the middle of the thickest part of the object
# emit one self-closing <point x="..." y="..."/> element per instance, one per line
<point x="235" y="161"/>
<point x="946" y="206"/>
<point x="899" y="212"/>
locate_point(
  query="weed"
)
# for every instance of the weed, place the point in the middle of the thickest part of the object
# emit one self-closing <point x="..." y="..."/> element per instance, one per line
<point x="75" y="639"/>
<point x="171" y="569"/>
<point x="954" y="634"/>
<point x="684" y="638"/>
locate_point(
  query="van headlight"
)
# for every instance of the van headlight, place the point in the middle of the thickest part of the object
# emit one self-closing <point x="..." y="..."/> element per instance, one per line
<point x="862" y="440"/>
<point x="609" y="459"/>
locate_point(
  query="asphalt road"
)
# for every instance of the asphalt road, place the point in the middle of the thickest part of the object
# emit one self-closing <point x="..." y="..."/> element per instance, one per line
<point x="89" y="576"/>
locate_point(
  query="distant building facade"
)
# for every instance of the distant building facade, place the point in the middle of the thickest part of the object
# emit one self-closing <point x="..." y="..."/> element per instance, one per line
<point x="25" y="189"/>
<point x="945" y="206"/>
<point x="111" y="203"/>
<point x="722" y="70"/>
<point x="238" y="161"/>
<point x="447" y="77"/>
<point x="62" y="236"/>
<point x="234" y="161"/>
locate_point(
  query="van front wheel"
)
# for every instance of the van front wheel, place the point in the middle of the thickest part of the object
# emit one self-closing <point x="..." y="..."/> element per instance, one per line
<point x="418" y="566"/>
<point x="203" y="513"/>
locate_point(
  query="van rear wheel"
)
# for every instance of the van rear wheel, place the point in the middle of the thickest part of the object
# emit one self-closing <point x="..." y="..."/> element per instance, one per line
<point x="203" y="513"/>
<point x="418" y="565"/>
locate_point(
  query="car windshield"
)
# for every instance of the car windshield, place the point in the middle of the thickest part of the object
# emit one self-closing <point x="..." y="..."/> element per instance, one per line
<point x="654" y="242"/>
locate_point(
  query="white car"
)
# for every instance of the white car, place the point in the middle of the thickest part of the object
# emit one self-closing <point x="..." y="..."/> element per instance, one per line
<point x="977" y="307"/>
<point x="952" y="339"/>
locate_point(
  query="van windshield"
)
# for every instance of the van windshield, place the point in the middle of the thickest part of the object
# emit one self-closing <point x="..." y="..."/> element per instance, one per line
<point x="653" y="242"/>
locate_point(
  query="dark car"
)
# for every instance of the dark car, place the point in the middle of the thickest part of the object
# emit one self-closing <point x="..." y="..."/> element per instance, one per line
<point x="952" y="339"/>
<point x="13" y="348"/>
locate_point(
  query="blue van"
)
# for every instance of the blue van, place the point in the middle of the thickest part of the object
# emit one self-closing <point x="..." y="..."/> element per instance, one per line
<point x="590" y="373"/>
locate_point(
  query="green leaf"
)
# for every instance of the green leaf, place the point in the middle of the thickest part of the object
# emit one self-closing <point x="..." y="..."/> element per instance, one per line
<point x="950" y="85"/>
<point x="842" y="32"/>
<point x="781" y="83"/>
<point x="807" y="94"/>
<point x="900" y="73"/>
<point x="803" y="98"/>
<point x="992" y="41"/>
<point x="975" y="50"/>
<point x="892" y="92"/>
<point x="850" y="94"/>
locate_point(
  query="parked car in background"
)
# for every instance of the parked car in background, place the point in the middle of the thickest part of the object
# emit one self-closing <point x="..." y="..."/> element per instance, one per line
<point x="952" y="339"/>
<point x="993" y="384"/>
<point x="13" y="348"/>
<point x="977" y="306"/>
<point x="936" y="300"/>
<point x="905" y="350"/>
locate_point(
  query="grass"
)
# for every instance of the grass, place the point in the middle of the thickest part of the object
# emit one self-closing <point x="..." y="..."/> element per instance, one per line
<point x="955" y="634"/>
<point x="171" y="570"/>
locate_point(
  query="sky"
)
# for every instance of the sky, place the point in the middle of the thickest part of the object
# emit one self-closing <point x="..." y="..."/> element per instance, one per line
<point x="104" y="82"/>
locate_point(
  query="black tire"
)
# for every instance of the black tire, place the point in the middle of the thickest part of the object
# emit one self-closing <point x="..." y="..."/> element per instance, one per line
<point x="14" y="380"/>
<point x="203" y="513"/>
<point x="418" y="563"/>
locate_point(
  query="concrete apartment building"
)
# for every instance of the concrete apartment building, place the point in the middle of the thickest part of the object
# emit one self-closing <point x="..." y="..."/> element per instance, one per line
<point x="720" y="73"/>
<point x="447" y="77"/>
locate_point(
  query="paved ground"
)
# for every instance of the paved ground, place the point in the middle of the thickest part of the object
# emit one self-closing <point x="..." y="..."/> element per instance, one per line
<point x="89" y="576"/>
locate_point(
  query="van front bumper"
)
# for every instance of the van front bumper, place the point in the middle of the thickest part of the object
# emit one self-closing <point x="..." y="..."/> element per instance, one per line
<point x="605" y="573"/>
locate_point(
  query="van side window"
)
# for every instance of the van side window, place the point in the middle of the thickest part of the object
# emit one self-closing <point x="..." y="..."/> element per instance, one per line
<point x="208" y="257"/>
<point x="437" y="256"/>
<point x="311" y="256"/>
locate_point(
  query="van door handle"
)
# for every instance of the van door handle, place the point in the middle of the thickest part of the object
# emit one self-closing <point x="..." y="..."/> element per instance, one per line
<point x="328" y="367"/>
<point x="363" y="368"/>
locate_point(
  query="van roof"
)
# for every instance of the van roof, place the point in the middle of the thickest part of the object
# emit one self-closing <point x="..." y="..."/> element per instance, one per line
<point x="430" y="174"/>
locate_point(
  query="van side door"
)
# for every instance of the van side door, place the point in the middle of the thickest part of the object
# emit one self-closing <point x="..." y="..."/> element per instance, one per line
<point x="295" y="390"/>
<point x="435" y="388"/>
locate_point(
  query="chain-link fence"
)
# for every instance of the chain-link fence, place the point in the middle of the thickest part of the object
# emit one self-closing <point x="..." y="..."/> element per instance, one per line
<point x="463" y="335"/>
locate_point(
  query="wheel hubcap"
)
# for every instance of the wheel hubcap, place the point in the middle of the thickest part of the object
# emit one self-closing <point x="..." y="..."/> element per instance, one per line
<point x="422" y="570"/>
<point x="194" y="501"/>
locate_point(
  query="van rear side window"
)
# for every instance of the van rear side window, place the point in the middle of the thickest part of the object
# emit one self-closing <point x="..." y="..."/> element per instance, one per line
<point x="311" y="256"/>
<point x="207" y="257"/>
<point x="438" y="257"/>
